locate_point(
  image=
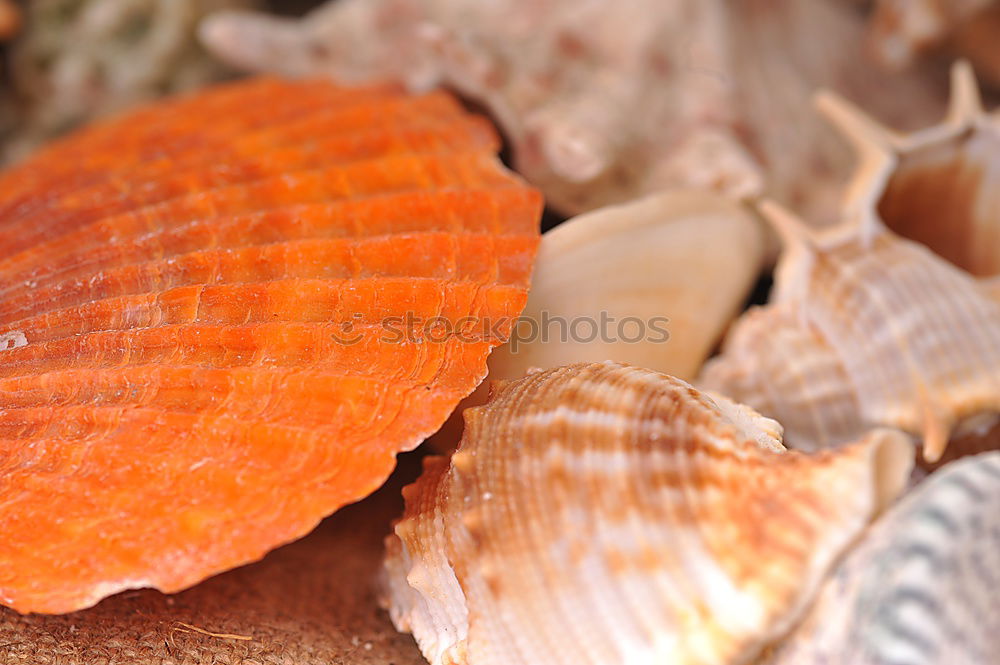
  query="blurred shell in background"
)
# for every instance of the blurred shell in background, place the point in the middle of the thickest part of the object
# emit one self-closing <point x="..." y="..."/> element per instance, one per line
<point x="902" y="31"/>
<point x="607" y="514"/>
<point x="921" y="587"/>
<point x="869" y="329"/>
<point x="78" y="60"/>
<point x="604" y="102"/>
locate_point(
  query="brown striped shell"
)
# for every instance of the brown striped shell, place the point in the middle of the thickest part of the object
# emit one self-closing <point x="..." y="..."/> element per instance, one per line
<point x="215" y="323"/>
<point x="867" y="328"/>
<point x="922" y="586"/>
<point x="605" y="514"/>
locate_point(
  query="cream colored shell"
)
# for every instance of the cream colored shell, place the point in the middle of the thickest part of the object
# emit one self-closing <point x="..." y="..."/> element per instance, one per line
<point x="921" y="588"/>
<point x="604" y="514"/>
<point x="653" y="282"/>
<point x="882" y="331"/>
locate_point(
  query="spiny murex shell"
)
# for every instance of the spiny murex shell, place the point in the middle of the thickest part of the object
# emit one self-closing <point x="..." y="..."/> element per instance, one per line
<point x="866" y="328"/>
<point x="922" y="587"/>
<point x="601" y="513"/>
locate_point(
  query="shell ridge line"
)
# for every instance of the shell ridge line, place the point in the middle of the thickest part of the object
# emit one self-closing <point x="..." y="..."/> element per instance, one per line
<point x="449" y="159"/>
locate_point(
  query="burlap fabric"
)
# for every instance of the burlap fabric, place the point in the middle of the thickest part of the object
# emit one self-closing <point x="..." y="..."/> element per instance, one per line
<point x="308" y="602"/>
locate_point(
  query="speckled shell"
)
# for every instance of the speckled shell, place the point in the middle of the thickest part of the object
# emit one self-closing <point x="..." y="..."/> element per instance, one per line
<point x="921" y="588"/>
<point x="605" y="514"/>
<point x="194" y="359"/>
<point x="866" y="328"/>
<point x="605" y="102"/>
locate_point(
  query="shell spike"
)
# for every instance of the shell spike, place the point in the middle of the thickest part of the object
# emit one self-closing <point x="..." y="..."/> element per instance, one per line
<point x="876" y="147"/>
<point x="791" y="229"/>
<point x="966" y="104"/>
<point x="870" y="138"/>
<point x="936" y="429"/>
<point x="797" y="240"/>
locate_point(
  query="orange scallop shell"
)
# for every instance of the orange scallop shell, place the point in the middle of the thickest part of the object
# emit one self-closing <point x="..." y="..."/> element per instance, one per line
<point x="198" y="355"/>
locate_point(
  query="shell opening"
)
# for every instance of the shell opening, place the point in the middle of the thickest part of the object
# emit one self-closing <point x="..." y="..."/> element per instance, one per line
<point x="945" y="196"/>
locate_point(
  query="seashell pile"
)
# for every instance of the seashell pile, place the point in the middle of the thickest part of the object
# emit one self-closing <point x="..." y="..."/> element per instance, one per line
<point x="867" y="328"/>
<point x="602" y="513"/>
<point x="192" y="365"/>
<point x="222" y="316"/>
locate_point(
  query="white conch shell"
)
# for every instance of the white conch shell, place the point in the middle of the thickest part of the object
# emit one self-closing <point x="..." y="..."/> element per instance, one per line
<point x="604" y="102"/>
<point x="922" y="586"/>
<point x="605" y="514"/>
<point x="654" y="283"/>
<point x="889" y="334"/>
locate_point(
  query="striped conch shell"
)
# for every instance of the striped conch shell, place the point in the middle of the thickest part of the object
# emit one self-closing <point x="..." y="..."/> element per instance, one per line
<point x="601" y="513"/>
<point x="922" y="586"/>
<point x="866" y="328"/>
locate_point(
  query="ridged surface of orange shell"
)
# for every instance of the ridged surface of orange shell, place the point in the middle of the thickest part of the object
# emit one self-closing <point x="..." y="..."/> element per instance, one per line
<point x="177" y="290"/>
<point x="602" y="514"/>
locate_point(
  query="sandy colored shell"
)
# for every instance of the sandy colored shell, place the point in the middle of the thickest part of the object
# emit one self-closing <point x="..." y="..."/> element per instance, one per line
<point x="604" y="102"/>
<point x="653" y="283"/>
<point x="601" y="513"/>
<point x="194" y="363"/>
<point x="880" y="331"/>
<point x="921" y="587"/>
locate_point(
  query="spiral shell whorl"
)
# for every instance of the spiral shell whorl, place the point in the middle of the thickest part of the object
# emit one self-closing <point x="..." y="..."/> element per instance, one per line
<point x="602" y="513"/>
